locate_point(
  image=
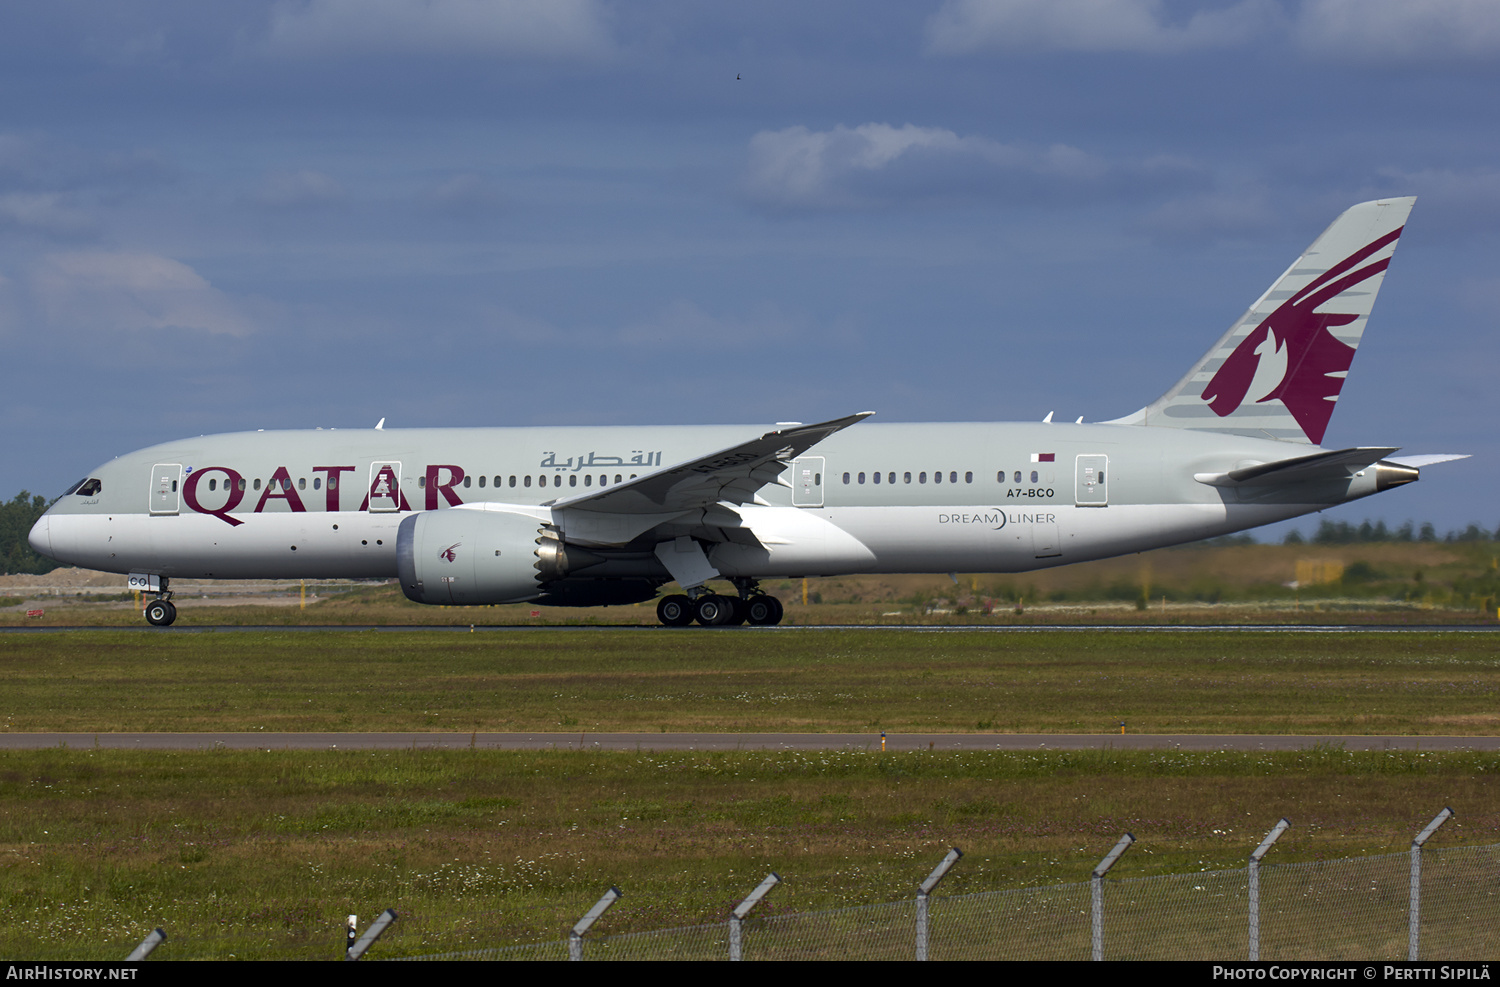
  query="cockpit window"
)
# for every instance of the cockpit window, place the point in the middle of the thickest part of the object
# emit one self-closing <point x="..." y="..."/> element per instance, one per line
<point x="88" y="488"/>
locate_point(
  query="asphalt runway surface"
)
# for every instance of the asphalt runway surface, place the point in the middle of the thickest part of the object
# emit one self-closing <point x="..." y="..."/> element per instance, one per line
<point x="914" y="629"/>
<point x="731" y="741"/>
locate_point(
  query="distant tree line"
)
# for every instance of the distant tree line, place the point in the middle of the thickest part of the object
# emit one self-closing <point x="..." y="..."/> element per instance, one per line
<point x="1344" y="533"/>
<point x="16" y="518"/>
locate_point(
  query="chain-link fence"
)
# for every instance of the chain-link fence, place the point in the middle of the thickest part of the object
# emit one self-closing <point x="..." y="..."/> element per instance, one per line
<point x="1428" y="904"/>
<point x="1335" y="909"/>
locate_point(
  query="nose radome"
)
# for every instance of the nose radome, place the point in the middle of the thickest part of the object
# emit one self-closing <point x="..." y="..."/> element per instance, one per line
<point x="41" y="537"/>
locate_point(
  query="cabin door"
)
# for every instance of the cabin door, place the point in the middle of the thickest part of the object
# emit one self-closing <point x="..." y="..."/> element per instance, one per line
<point x="166" y="479"/>
<point x="1088" y="486"/>
<point x="807" y="481"/>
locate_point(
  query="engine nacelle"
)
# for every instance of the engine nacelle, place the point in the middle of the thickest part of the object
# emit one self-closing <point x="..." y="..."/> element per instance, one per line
<point x="476" y="557"/>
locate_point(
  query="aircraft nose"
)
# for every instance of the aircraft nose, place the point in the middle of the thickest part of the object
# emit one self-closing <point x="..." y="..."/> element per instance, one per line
<point x="41" y="537"/>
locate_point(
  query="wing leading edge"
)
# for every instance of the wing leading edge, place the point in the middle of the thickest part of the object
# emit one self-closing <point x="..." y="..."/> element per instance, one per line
<point x="731" y="475"/>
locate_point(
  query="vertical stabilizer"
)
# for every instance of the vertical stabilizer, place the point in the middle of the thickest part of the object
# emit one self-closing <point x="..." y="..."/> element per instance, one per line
<point x="1278" y="371"/>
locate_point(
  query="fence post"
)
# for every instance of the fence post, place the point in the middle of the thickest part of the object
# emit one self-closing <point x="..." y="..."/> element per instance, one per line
<point x="1414" y="908"/>
<point x="737" y="917"/>
<point x="367" y="940"/>
<point x="1098" y="891"/>
<point x="149" y="943"/>
<point x="1255" y="855"/>
<point x="925" y="890"/>
<point x="575" y="938"/>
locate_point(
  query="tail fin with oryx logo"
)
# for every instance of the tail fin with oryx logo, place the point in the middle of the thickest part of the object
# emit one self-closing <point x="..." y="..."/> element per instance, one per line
<point x="1278" y="371"/>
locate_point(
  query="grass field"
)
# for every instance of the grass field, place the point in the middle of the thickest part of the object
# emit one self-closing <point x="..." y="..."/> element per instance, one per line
<point x="262" y="853"/>
<point x="257" y="854"/>
<point x="845" y="681"/>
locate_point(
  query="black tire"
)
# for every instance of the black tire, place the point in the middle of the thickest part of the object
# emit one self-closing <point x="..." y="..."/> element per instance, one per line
<point x="739" y="611"/>
<point x="674" y="611"/>
<point x="160" y="613"/>
<point x="763" y="610"/>
<point x="713" y="610"/>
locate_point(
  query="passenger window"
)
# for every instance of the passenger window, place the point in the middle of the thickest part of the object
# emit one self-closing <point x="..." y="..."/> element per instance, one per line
<point x="861" y="478"/>
<point x="908" y="477"/>
<point x="242" y="483"/>
<point x="257" y="483"/>
<point x="921" y="477"/>
<point x="1000" y="477"/>
<point x="528" y="482"/>
<point x="317" y="483"/>
<point x="466" y="481"/>
<point x="817" y="479"/>
<point x="211" y="484"/>
<point x="937" y="477"/>
<point x="557" y="481"/>
<point x="421" y="481"/>
<point x="588" y="481"/>
<point x="953" y="477"/>
<point x="891" y="478"/>
<point x="969" y="477"/>
<point x="333" y="482"/>
<point x="1033" y="476"/>
<point x="481" y="482"/>
<point x="301" y="483"/>
<point x="513" y="481"/>
<point x="1018" y="476"/>
<point x="846" y="478"/>
<point x="876" y="477"/>
<point x="617" y="478"/>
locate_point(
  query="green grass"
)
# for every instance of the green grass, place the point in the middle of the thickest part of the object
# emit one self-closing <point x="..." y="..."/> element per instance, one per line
<point x="837" y="681"/>
<point x="257" y="854"/>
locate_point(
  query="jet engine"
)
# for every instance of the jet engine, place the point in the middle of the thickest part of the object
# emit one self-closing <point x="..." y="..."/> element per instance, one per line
<point x="479" y="556"/>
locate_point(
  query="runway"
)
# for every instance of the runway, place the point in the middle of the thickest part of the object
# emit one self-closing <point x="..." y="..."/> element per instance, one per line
<point x="890" y="628"/>
<point x="729" y="742"/>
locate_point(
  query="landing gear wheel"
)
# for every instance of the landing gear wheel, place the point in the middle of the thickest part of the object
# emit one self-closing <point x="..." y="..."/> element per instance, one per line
<point x="675" y="611"/>
<point x="713" y="610"/>
<point x="763" y="610"/>
<point x="160" y="613"/>
<point x="739" y="611"/>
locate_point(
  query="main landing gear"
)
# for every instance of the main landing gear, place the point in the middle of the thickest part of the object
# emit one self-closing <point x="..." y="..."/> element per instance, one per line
<point x="713" y="610"/>
<point x="160" y="612"/>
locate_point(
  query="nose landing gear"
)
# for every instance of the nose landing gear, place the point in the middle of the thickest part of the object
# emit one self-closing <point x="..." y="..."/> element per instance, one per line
<point x="160" y="612"/>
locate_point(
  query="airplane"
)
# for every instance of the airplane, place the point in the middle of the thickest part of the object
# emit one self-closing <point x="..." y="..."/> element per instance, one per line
<point x="591" y="516"/>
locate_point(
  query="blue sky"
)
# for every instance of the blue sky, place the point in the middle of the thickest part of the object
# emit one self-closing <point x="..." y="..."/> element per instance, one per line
<point x="230" y="216"/>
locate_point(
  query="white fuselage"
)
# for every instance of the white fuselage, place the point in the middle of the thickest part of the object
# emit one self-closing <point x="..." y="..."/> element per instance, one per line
<point x="969" y="497"/>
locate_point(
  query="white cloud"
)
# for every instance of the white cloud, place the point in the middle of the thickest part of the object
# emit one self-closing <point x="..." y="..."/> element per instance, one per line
<point x="966" y="26"/>
<point x="465" y="195"/>
<point x="527" y="28"/>
<point x="685" y="322"/>
<point x="1404" y="30"/>
<point x="107" y="292"/>
<point x="42" y="211"/>
<point x="294" y="189"/>
<point x="853" y="167"/>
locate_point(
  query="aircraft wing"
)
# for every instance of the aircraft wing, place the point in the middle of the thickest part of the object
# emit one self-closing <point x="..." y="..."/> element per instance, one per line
<point x="731" y="475"/>
<point x="1338" y="464"/>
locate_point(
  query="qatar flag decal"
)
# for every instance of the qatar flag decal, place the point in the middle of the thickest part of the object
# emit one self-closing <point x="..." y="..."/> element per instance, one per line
<point x="1044" y="457"/>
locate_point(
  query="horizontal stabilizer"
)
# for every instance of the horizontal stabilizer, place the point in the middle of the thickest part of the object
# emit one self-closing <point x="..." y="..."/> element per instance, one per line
<point x="1338" y="464"/>
<point x="1417" y="462"/>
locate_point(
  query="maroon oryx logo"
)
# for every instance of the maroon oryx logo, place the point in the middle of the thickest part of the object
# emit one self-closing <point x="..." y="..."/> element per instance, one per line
<point x="1292" y="355"/>
<point x="447" y="554"/>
